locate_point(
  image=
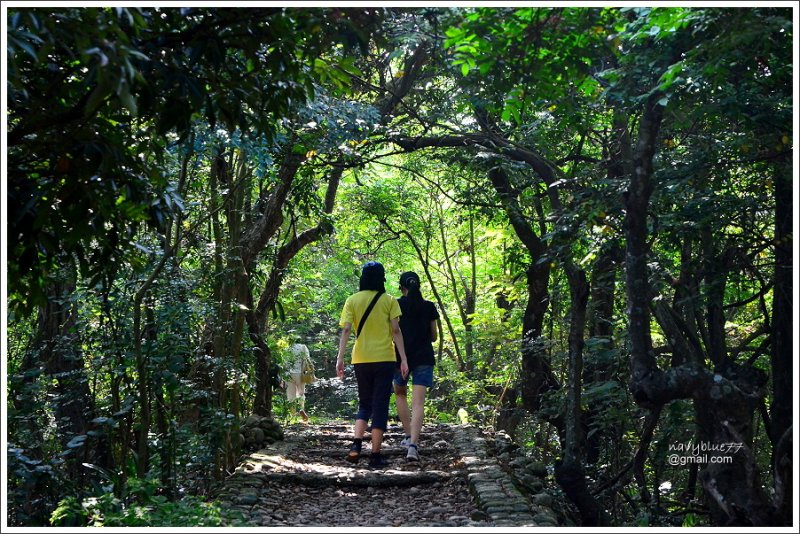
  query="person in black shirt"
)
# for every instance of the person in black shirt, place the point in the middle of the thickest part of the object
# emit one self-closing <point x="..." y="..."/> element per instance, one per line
<point x="420" y="326"/>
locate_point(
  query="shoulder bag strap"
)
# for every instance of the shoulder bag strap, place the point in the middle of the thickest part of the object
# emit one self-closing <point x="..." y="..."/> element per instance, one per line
<point x="366" y="313"/>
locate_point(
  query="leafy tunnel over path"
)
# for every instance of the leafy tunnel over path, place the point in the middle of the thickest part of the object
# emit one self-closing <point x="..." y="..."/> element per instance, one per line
<point x="599" y="200"/>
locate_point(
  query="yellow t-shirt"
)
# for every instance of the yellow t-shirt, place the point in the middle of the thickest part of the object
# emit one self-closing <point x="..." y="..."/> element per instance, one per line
<point x="375" y="342"/>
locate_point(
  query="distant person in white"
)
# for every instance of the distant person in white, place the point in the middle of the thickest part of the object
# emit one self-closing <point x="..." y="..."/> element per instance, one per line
<point x="295" y="388"/>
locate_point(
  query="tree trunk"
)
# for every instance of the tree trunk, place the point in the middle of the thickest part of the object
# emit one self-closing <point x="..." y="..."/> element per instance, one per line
<point x="782" y="357"/>
<point x="537" y="376"/>
<point x="262" y="405"/>
<point x="228" y="263"/>
<point x="141" y="361"/>
<point x="59" y="349"/>
<point x="604" y="279"/>
<point x="569" y="472"/>
<point x="601" y="330"/>
<point x="166" y="449"/>
<point x="715" y="268"/>
<point x="724" y="412"/>
<point x="471" y="293"/>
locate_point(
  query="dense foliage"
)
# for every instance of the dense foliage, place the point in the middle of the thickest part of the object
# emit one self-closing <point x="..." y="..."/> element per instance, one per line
<point x="598" y="200"/>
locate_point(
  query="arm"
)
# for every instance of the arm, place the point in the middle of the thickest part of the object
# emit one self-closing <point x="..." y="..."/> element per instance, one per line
<point x="346" y="329"/>
<point x="435" y="325"/>
<point x="397" y="336"/>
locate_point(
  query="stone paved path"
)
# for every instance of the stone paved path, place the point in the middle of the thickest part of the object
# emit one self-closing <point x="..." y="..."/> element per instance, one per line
<point x="304" y="481"/>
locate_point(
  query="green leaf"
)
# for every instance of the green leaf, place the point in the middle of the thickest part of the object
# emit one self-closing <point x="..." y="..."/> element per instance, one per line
<point x="77" y="441"/>
<point x="127" y="98"/>
<point x="98" y="96"/>
<point x="348" y="66"/>
<point x="23" y="45"/>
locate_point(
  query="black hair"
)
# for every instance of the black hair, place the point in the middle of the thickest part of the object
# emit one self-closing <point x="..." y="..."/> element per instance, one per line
<point x="410" y="281"/>
<point x="372" y="278"/>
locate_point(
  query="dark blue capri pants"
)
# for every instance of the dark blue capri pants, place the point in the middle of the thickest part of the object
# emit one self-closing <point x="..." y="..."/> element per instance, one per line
<point x="374" y="389"/>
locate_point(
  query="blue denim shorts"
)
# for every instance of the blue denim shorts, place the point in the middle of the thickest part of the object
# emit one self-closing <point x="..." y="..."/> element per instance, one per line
<point x="421" y="375"/>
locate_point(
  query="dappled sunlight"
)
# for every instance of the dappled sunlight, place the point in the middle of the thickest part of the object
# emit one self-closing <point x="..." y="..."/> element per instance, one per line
<point x="432" y="492"/>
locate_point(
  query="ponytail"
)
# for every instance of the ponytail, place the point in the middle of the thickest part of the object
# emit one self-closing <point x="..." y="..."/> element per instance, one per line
<point x="410" y="281"/>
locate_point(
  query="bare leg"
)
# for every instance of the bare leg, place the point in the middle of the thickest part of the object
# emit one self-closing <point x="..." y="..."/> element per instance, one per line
<point x="301" y="396"/>
<point x="291" y="394"/>
<point x="360" y="427"/>
<point x="355" y="449"/>
<point x="401" y="400"/>
<point x="377" y="440"/>
<point x="301" y="393"/>
<point x="417" y="411"/>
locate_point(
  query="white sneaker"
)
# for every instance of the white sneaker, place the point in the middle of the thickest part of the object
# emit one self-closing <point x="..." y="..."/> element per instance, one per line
<point x="406" y="442"/>
<point x="413" y="455"/>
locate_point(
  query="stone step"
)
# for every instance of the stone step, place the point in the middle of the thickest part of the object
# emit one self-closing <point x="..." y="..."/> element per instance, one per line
<point x="341" y="452"/>
<point x="360" y="477"/>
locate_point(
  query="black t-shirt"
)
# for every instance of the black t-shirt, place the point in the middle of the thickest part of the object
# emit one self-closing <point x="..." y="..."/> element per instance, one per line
<point x="416" y="328"/>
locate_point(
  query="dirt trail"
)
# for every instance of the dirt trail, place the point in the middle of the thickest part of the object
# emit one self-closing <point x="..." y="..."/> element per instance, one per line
<point x="305" y="481"/>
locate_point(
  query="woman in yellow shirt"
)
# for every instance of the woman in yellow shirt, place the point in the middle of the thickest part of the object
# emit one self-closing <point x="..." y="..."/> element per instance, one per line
<point x="375" y="317"/>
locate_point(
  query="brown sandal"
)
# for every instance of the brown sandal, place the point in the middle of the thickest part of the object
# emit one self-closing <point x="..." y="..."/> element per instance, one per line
<point x="354" y="454"/>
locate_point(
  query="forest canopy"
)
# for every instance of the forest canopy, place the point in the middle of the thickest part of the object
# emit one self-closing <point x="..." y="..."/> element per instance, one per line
<point x="599" y="201"/>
